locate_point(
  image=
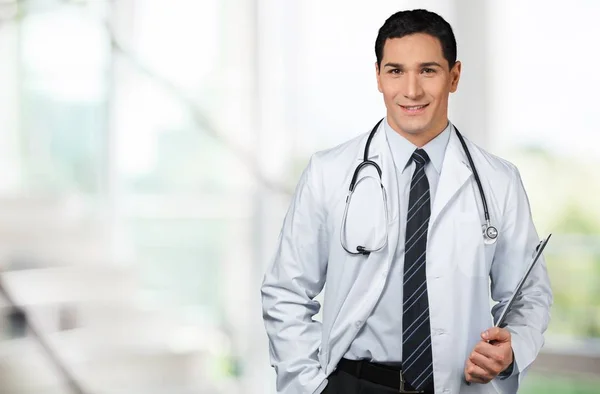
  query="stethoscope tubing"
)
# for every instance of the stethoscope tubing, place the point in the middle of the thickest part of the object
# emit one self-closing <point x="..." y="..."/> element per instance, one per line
<point x="490" y="233"/>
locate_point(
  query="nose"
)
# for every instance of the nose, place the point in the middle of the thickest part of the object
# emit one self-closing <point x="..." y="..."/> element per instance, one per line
<point x="413" y="89"/>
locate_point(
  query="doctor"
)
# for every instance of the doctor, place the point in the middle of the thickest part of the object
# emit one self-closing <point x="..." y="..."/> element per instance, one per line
<point x="406" y="259"/>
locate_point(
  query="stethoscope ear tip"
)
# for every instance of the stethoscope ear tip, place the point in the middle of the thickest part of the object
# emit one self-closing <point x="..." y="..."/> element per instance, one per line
<point x="362" y="250"/>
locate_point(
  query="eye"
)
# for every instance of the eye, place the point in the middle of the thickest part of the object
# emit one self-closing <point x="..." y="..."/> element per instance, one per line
<point x="395" y="71"/>
<point x="428" y="70"/>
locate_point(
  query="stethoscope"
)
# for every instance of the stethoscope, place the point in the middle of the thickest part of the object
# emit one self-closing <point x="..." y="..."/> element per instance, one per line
<point x="490" y="233"/>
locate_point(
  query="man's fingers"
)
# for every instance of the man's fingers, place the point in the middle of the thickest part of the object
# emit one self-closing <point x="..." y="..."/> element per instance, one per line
<point x="473" y="379"/>
<point x="488" y="364"/>
<point x="495" y="353"/>
<point x="475" y="374"/>
<point x="490" y="356"/>
<point x="496" y="334"/>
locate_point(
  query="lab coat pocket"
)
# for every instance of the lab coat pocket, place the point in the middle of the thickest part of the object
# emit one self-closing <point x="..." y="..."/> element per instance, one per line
<point x="469" y="249"/>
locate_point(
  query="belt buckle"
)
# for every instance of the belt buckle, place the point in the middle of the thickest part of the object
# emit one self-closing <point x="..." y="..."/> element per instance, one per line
<point x="401" y="390"/>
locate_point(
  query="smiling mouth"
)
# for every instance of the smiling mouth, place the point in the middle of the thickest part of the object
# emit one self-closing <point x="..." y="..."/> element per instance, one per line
<point x="414" y="109"/>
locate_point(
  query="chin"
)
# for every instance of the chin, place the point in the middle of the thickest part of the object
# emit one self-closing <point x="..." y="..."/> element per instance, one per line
<point x="413" y="128"/>
<point x="411" y="125"/>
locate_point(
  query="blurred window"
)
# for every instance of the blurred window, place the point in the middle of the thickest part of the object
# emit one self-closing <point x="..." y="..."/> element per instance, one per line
<point x="64" y="60"/>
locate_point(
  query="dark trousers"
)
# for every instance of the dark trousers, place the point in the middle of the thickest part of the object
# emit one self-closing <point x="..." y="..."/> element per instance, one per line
<point x="341" y="382"/>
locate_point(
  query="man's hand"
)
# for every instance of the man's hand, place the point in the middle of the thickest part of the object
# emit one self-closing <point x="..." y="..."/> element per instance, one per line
<point x="492" y="355"/>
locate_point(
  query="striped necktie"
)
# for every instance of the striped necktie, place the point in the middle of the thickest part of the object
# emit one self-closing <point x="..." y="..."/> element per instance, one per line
<point x="417" y="361"/>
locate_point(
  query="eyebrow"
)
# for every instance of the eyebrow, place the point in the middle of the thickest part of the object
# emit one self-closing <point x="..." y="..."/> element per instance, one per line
<point x="401" y="66"/>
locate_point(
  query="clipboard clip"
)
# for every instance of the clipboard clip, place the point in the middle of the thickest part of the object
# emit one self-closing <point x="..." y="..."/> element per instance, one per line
<point x="538" y="247"/>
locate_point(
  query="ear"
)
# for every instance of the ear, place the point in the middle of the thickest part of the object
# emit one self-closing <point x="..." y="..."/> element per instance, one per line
<point x="455" y="76"/>
<point x="378" y="75"/>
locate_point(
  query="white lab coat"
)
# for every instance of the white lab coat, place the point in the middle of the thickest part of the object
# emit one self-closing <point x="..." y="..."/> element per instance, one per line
<point x="459" y="268"/>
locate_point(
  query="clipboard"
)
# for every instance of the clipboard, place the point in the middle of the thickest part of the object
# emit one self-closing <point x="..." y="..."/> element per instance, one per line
<point x="537" y="254"/>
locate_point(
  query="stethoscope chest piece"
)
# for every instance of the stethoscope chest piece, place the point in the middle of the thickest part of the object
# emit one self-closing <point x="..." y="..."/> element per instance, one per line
<point x="490" y="234"/>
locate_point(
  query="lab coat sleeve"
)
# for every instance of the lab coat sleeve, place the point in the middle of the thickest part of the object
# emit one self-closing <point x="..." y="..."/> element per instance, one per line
<point x="294" y="278"/>
<point x="530" y="313"/>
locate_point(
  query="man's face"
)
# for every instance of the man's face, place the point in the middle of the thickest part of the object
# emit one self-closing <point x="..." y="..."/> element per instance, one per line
<point x="416" y="81"/>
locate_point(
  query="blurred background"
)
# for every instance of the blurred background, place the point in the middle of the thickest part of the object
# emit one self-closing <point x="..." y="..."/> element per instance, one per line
<point x="149" y="149"/>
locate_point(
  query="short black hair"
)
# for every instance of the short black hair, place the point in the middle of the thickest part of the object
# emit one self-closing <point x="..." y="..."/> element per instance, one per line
<point x="404" y="23"/>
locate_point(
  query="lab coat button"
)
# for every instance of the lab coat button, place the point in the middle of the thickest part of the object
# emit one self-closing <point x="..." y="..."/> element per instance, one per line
<point x="358" y="324"/>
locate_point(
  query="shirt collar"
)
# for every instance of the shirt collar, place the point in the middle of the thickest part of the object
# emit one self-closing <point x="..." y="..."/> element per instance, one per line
<point x="402" y="149"/>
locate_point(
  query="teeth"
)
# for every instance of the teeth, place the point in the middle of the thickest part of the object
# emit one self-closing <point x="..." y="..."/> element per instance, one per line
<point x="414" y="108"/>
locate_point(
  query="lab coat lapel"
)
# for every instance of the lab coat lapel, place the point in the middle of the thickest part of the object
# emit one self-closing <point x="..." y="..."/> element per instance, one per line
<point x="455" y="172"/>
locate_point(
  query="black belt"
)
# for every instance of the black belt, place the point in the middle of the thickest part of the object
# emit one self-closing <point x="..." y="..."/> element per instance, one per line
<point x="385" y="375"/>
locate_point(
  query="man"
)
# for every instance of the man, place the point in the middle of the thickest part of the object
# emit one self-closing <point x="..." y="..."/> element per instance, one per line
<point x="405" y="266"/>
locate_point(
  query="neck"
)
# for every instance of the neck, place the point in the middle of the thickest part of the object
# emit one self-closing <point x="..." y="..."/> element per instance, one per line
<point x="421" y="139"/>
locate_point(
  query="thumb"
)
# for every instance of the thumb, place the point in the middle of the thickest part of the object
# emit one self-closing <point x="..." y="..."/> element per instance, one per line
<point x="496" y="334"/>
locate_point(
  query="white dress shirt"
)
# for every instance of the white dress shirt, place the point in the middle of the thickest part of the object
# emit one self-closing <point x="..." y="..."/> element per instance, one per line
<point x="380" y="339"/>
